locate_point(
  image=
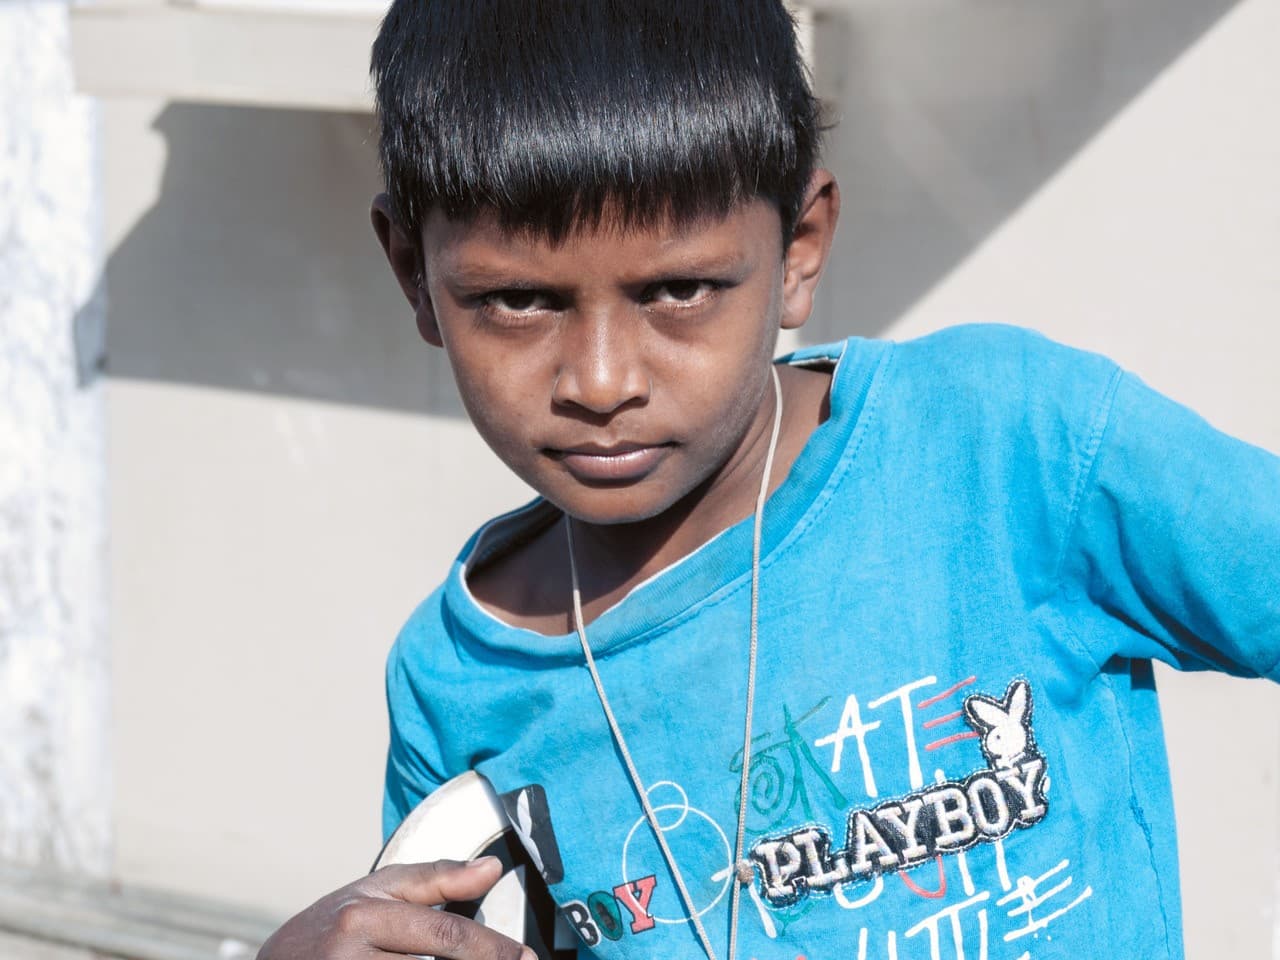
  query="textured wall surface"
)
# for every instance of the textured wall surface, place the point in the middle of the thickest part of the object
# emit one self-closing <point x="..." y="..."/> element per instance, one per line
<point x="54" y="769"/>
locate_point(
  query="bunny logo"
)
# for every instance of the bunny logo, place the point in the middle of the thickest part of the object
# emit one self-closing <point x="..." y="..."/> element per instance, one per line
<point x="1005" y="725"/>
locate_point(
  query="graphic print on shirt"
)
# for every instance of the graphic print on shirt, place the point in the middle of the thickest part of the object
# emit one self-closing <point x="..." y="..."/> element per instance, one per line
<point x="943" y="818"/>
<point x="796" y="774"/>
<point x="627" y="908"/>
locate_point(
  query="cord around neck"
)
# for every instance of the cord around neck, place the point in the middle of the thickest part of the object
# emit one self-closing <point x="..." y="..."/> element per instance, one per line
<point x="741" y="864"/>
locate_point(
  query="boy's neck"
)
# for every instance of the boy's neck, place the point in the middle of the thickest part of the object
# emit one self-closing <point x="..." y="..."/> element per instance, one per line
<point x="529" y="586"/>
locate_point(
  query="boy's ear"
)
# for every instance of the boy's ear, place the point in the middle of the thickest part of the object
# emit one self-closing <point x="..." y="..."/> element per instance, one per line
<point x="810" y="246"/>
<point x="405" y="258"/>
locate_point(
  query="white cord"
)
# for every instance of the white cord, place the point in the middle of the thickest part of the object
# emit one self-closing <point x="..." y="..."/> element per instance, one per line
<point x="636" y="782"/>
<point x="757" y="534"/>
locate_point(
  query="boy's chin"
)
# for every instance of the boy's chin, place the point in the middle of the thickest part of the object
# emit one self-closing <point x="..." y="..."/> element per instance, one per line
<point x="603" y="517"/>
<point x="617" y="505"/>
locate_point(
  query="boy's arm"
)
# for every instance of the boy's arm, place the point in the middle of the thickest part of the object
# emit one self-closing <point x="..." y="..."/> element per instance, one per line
<point x="414" y="765"/>
<point x="408" y="777"/>
<point x="1176" y="532"/>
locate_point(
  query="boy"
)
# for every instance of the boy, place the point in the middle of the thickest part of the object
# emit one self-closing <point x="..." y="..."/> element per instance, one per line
<point x="904" y="706"/>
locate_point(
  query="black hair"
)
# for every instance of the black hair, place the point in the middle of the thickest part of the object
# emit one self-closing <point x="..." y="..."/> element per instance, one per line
<point x="552" y="113"/>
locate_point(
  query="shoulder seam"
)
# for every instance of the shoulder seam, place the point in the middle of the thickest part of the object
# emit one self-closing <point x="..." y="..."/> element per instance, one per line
<point x="1097" y="432"/>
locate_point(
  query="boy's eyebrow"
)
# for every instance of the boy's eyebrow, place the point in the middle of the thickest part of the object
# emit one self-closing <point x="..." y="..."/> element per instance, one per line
<point x="479" y="277"/>
<point x="516" y="273"/>
<point x="691" y="263"/>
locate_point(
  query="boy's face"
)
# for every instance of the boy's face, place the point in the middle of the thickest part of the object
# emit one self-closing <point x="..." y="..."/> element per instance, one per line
<point x="620" y="370"/>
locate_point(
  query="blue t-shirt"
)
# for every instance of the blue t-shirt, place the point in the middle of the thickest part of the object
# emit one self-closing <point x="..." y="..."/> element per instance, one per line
<point x="958" y="748"/>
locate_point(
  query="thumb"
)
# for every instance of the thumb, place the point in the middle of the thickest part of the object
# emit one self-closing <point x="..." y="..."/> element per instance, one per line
<point x="440" y="881"/>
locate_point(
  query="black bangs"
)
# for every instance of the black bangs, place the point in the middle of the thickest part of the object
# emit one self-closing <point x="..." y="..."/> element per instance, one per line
<point x="553" y="113"/>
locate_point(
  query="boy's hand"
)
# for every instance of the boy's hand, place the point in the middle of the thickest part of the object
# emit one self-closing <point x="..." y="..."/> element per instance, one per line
<point x="391" y="912"/>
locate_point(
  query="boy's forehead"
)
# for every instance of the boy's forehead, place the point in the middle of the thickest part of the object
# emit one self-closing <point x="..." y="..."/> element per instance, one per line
<point x="745" y="228"/>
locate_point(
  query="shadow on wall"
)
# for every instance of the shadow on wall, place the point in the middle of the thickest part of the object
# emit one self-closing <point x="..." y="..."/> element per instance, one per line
<point x="952" y="113"/>
<point x="256" y="269"/>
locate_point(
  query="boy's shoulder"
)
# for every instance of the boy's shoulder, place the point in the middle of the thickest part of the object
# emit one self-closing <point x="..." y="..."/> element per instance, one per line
<point x="436" y="615"/>
<point x="997" y="352"/>
<point x="989" y="378"/>
<point x="992" y="355"/>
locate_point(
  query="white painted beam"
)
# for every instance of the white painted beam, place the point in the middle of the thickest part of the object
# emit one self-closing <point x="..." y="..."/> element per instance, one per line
<point x="273" y="53"/>
<point x="261" y="56"/>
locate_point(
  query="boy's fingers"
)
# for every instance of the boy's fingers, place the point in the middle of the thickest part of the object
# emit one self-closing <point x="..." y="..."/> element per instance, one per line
<point x="396" y="927"/>
<point x="392" y="912"/>
<point x="437" y="882"/>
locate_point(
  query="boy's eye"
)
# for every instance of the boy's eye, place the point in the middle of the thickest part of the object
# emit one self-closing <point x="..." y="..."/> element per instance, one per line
<point x="682" y="291"/>
<point x="518" y="301"/>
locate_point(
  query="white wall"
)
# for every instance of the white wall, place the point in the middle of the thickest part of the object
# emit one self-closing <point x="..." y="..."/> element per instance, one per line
<point x="290" y="472"/>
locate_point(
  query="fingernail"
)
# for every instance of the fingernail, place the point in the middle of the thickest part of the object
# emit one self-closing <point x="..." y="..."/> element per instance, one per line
<point x="528" y="955"/>
<point x="484" y="863"/>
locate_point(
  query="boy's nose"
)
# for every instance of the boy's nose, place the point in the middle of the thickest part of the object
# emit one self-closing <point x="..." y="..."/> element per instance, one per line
<point x="601" y="369"/>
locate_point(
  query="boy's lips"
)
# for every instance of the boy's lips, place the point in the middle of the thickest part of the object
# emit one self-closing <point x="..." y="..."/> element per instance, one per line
<point x="614" y="463"/>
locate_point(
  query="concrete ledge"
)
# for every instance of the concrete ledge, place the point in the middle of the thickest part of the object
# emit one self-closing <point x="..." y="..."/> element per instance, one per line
<point x="53" y="913"/>
<point x="24" y="948"/>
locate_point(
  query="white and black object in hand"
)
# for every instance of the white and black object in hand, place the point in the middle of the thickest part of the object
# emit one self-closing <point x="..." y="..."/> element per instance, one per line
<point x="463" y="820"/>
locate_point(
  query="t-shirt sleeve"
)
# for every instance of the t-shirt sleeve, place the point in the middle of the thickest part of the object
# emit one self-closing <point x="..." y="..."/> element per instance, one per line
<point x="1177" y="536"/>
<point x="413" y="765"/>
